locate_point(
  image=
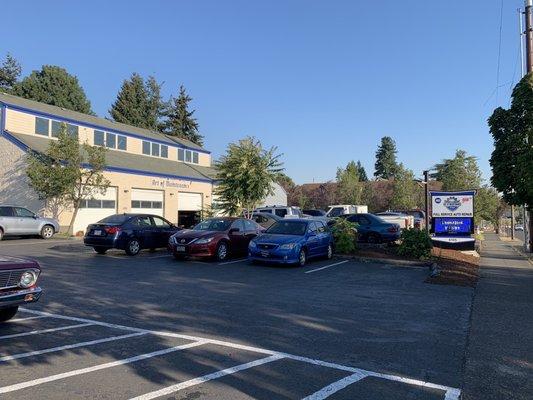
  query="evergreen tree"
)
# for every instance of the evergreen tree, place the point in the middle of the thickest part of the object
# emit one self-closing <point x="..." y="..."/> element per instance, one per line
<point x="155" y="108"/>
<point x="386" y="164"/>
<point x="349" y="187"/>
<point x="9" y="73"/>
<point x="55" y="86"/>
<point x="132" y="103"/>
<point x="459" y="173"/>
<point x="180" y="121"/>
<point x="362" y="172"/>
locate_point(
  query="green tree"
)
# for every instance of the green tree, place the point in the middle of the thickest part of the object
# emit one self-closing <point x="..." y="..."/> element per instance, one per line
<point x="386" y="165"/>
<point x="155" y="104"/>
<point x="58" y="174"/>
<point x="132" y="105"/>
<point x="245" y="174"/>
<point x="458" y="173"/>
<point x="488" y="205"/>
<point x="179" y="119"/>
<point x="512" y="158"/>
<point x="9" y="73"/>
<point x="349" y="187"/>
<point x="404" y="195"/>
<point x="55" y="86"/>
<point x="363" y="177"/>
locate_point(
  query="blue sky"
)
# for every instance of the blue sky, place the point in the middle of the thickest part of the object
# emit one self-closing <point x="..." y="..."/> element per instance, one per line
<point x="321" y="80"/>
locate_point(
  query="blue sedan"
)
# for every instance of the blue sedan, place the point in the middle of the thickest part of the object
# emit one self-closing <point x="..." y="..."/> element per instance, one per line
<point x="292" y="241"/>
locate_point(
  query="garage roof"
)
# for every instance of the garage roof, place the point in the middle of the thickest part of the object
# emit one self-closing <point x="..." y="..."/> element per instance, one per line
<point x="127" y="162"/>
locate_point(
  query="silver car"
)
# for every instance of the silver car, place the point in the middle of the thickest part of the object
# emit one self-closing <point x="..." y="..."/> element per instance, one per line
<point x="19" y="221"/>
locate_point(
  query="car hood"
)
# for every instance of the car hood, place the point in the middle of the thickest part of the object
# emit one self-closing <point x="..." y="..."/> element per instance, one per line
<point x="9" y="262"/>
<point x="277" y="239"/>
<point x="192" y="234"/>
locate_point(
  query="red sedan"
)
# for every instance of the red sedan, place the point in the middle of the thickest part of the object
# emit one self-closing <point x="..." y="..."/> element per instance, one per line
<point x="215" y="237"/>
<point x="18" y="284"/>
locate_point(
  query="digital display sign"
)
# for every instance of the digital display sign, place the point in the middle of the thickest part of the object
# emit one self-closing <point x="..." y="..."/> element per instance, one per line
<point x="453" y="226"/>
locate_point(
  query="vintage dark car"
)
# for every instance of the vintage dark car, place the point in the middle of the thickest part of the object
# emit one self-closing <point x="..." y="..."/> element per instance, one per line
<point x="129" y="232"/>
<point x="215" y="237"/>
<point x="18" y="284"/>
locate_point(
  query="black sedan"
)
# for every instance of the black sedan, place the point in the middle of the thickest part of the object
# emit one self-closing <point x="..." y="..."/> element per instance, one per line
<point x="129" y="232"/>
<point x="373" y="229"/>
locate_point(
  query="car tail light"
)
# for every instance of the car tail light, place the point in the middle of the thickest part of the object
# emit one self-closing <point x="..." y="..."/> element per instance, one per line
<point x="392" y="229"/>
<point x="111" y="230"/>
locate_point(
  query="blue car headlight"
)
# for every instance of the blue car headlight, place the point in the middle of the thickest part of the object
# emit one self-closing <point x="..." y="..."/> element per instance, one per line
<point x="288" y="246"/>
<point x="252" y="245"/>
<point x="172" y="240"/>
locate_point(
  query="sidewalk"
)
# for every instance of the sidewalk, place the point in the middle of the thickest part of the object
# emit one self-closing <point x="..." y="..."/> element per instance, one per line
<point x="499" y="358"/>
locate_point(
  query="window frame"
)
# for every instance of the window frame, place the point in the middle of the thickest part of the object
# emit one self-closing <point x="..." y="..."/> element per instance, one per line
<point x="146" y="144"/>
<point x="110" y="137"/>
<point x="98" y="133"/>
<point x="42" y="120"/>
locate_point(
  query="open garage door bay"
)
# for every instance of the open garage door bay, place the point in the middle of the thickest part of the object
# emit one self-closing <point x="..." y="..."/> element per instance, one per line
<point x="189" y="209"/>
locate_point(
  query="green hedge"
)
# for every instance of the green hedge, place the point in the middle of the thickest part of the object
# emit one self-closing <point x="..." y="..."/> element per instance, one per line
<point x="415" y="243"/>
<point x="345" y="235"/>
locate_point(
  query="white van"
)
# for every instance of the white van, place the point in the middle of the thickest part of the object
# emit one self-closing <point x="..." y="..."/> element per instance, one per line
<point x="341" y="209"/>
<point x="281" y="211"/>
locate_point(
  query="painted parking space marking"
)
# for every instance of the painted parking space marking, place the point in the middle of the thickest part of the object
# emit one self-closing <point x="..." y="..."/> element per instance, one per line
<point x="206" y="378"/>
<point x="326" y="266"/>
<point x="35" y="382"/>
<point x="68" y="347"/>
<point x="27" y="318"/>
<point x="40" y="331"/>
<point x="336" y="386"/>
<point x="451" y="393"/>
<point x="233" y="262"/>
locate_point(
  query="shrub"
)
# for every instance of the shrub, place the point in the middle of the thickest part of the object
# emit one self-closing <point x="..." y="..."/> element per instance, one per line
<point x="415" y="243"/>
<point x="345" y="235"/>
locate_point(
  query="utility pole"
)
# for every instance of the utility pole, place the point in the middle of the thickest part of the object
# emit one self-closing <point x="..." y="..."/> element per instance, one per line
<point x="529" y="68"/>
<point x="426" y="199"/>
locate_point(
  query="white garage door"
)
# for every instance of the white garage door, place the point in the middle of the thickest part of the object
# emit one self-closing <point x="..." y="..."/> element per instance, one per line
<point x="147" y="201"/>
<point x="189" y="201"/>
<point x="96" y="208"/>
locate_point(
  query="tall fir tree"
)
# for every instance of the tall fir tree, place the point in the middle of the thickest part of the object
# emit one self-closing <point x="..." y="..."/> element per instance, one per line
<point x="55" y="86"/>
<point x="132" y="103"/>
<point x="363" y="177"/>
<point x="9" y="73"/>
<point x="386" y="165"/>
<point x="155" y="107"/>
<point x="180" y="121"/>
<point x="458" y="173"/>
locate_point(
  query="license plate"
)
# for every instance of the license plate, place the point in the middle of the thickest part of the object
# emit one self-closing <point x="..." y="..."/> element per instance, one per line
<point x="97" y="232"/>
<point x="265" y="253"/>
<point x="180" y="248"/>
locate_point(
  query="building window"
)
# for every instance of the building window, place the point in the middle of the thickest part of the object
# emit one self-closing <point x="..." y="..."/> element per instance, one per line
<point x="111" y="140"/>
<point x="122" y="142"/>
<point x="181" y="155"/>
<point x="99" y="138"/>
<point x="195" y="157"/>
<point x="42" y="126"/>
<point x="72" y="130"/>
<point x="93" y="203"/>
<point x="56" y="128"/>
<point x="188" y="156"/>
<point x="146" y="148"/>
<point x="155" y="149"/>
<point x="164" y="151"/>
<point x="146" y="204"/>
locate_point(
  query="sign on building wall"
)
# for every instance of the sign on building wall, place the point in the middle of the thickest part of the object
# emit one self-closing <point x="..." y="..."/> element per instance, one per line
<point x="452" y="204"/>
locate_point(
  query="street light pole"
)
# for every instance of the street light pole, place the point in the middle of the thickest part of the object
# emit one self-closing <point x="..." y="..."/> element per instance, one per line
<point x="426" y="200"/>
<point x="529" y="68"/>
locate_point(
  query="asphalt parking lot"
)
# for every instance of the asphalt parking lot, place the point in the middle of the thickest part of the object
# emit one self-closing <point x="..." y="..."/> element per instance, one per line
<point x="147" y="327"/>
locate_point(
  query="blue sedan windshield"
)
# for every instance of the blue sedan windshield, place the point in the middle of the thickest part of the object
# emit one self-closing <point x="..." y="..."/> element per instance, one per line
<point x="288" y="228"/>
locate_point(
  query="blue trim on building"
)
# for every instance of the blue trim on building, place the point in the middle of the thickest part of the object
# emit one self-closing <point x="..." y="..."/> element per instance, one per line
<point x="463" y="193"/>
<point x="98" y="127"/>
<point x="24" y="147"/>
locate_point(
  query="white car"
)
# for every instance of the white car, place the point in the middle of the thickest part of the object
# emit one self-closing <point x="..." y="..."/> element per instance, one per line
<point x="341" y="209"/>
<point x="405" y="221"/>
<point x="281" y="211"/>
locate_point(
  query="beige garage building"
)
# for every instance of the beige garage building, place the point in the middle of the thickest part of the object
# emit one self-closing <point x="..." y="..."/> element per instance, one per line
<point x="149" y="172"/>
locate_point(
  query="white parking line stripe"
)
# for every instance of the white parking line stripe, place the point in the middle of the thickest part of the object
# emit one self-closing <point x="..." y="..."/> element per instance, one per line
<point x="35" y="382"/>
<point x="232" y="262"/>
<point x="38" y="332"/>
<point x="209" y="377"/>
<point x="327" y="266"/>
<point x="257" y="350"/>
<point x="68" y="347"/>
<point x="335" y="387"/>
<point x="27" y="318"/>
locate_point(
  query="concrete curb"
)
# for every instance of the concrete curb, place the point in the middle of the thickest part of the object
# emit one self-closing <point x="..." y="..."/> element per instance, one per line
<point x="388" y="261"/>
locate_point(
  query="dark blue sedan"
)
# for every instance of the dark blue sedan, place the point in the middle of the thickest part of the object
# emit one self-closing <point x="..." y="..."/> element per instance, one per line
<point x="129" y="232"/>
<point x="373" y="229"/>
<point x="292" y="241"/>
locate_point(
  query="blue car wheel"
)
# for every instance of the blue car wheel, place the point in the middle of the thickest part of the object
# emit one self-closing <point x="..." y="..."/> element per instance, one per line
<point x="302" y="258"/>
